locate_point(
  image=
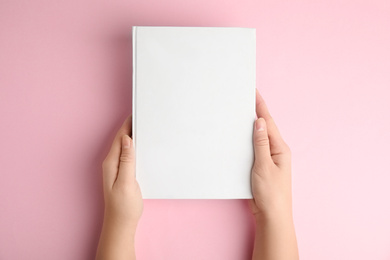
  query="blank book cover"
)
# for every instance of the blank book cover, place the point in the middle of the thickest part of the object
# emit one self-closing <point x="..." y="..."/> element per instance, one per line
<point x="193" y="111"/>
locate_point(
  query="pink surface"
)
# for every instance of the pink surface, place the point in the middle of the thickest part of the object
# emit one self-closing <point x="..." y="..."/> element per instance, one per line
<point x="65" y="82"/>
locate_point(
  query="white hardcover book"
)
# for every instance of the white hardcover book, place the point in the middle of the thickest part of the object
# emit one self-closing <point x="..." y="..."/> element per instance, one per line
<point x="193" y="111"/>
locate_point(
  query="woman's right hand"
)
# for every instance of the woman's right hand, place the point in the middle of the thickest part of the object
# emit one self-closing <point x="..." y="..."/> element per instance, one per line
<point x="271" y="188"/>
<point x="271" y="172"/>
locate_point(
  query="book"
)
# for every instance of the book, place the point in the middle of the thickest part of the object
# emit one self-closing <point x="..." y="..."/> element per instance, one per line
<point x="194" y="101"/>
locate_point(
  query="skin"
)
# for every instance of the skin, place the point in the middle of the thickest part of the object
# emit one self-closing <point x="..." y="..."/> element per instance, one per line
<point x="122" y="197"/>
<point x="275" y="237"/>
<point x="271" y="187"/>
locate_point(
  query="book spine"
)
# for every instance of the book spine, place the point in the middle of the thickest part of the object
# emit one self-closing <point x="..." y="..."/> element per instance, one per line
<point x="134" y="89"/>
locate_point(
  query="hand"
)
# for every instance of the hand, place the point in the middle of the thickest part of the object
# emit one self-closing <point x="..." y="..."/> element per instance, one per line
<point x="122" y="194"/>
<point x="271" y="172"/>
<point x="271" y="187"/>
<point x="123" y="199"/>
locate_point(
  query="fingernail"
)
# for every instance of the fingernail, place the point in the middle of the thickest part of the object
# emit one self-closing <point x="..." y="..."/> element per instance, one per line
<point x="125" y="142"/>
<point x="260" y="124"/>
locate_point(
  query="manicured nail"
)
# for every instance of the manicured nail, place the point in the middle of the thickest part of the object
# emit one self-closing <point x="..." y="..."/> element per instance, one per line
<point x="260" y="125"/>
<point x="125" y="142"/>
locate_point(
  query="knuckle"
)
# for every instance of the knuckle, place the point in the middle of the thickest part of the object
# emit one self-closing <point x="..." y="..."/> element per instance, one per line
<point x="260" y="167"/>
<point x="262" y="141"/>
<point x="122" y="187"/>
<point x="126" y="158"/>
<point x="256" y="168"/>
<point x="125" y="186"/>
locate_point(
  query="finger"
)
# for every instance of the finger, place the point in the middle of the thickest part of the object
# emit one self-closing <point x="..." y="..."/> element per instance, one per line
<point x="277" y="144"/>
<point x="126" y="172"/>
<point x="261" y="144"/>
<point x="115" y="150"/>
<point x="111" y="163"/>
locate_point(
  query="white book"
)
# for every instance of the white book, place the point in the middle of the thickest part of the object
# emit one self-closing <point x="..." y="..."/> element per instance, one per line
<point x="193" y="111"/>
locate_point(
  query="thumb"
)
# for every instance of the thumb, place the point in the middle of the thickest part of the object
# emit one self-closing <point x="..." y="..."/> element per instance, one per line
<point x="261" y="143"/>
<point x="127" y="161"/>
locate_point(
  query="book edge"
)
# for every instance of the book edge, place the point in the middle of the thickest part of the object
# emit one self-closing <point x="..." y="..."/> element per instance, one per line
<point x="134" y="96"/>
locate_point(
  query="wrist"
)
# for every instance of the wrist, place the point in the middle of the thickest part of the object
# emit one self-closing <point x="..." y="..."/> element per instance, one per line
<point x="274" y="216"/>
<point x="112" y="222"/>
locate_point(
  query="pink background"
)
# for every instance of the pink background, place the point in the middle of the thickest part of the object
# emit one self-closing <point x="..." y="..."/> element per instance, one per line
<point x="65" y="88"/>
